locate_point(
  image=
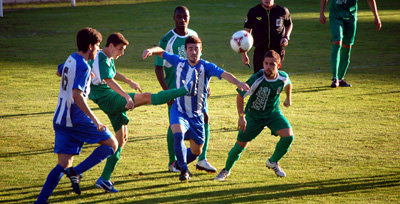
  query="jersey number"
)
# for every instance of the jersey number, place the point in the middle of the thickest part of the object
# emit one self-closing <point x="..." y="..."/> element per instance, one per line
<point x="64" y="81"/>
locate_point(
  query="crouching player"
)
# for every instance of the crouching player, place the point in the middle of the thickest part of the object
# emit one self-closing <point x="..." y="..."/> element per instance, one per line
<point x="74" y="123"/>
<point x="262" y="110"/>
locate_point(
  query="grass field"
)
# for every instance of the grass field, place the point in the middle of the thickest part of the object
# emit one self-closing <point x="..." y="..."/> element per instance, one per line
<point x="346" y="147"/>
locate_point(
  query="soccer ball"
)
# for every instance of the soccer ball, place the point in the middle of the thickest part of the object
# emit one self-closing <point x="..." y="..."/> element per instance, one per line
<point x="241" y="41"/>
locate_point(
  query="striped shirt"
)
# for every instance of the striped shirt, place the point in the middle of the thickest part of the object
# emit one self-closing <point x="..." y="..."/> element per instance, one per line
<point x="192" y="106"/>
<point x="75" y="74"/>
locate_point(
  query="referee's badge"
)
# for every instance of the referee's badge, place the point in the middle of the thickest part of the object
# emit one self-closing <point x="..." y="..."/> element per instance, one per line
<point x="278" y="22"/>
<point x="259" y="18"/>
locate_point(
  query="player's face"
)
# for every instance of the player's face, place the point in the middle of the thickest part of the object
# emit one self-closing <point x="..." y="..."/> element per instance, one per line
<point x="93" y="50"/>
<point x="267" y="3"/>
<point x="193" y="52"/>
<point x="117" y="51"/>
<point x="181" y="18"/>
<point x="271" y="67"/>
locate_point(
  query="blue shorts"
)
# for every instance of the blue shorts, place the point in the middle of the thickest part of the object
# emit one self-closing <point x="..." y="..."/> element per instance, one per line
<point x="69" y="140"/>
<point x="193" y="128"/>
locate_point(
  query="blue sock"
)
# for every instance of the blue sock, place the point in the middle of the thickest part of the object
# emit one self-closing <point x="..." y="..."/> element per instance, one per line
<point x="98" y="155"/>
<point x="190" y="156"/>
<point x="180" y="150"/>
<point x="51" y="182"/>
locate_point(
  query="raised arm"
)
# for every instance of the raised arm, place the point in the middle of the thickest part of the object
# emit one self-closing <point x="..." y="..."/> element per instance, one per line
<point x="374" y="9"/>
<point x="229" y="77"/>
<point x="153" y="51"/>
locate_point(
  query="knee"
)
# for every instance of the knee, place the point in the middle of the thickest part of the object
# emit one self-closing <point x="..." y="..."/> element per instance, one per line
<point x="196" y="151"/>
<point x="113" y="144"/>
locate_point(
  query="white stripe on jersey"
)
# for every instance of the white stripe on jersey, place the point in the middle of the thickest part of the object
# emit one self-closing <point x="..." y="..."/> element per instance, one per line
<point x="169" y="49"/>
<point x="179" y="68"/>
<point x="254" y="87"/>
<point x="201" y="89"/>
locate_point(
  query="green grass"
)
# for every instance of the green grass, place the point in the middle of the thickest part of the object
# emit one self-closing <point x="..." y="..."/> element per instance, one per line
<point x="346" y="146"/>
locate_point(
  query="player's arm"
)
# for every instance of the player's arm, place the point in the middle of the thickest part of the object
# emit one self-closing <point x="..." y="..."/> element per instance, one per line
<point x="118" y="76"/>
<point x="288" y="91"/>
<point x="229" y="77"/>
<point x="81" y="103"/>
<point x="240" y="108"/>
<point x="153" y="51"/>
<point x="117" y="88"/>
<point x="288" y="23"/>
<point x="322" y="17"/>
<point x="374" y="9"/>
<point x="245" y="57"/>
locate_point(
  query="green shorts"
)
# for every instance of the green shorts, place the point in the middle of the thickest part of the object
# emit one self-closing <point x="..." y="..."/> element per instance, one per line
<point x="275" y="121"/>
<point x="343" y="29"/>
<point x="114" y="106"/>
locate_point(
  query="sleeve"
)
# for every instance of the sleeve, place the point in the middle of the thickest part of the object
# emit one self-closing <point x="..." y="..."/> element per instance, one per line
<point x="106" y="70"/>
<point x="250" y="82"/>
<point x="163" y="44"/>
<point x="248" y="23"/>
<point x="81" y="77"/>
<point x="213" y="70"/>
<point x="287" y="20"/>
<point x="172" y="59"/>
<point x="288" y="81"/>
<point x="60" y="68"/>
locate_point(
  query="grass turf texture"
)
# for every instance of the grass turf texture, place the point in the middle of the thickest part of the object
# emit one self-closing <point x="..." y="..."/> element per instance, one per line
<point x="346" y="146"/>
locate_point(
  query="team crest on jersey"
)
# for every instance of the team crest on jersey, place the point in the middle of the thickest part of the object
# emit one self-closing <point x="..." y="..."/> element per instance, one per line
<point x="181" y="51"/>
<point x="259" y="18"/>
<point x="69" y="61"/>
<point x="278" y="90"/>
<point x="278" y="22"/>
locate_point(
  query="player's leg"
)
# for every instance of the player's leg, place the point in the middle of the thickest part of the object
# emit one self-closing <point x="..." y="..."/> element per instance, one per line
<point x="282" y="127"/>
<point x="349" y="34"/>
<point x="180" y="149"/>
<point x="172" y="166"/>
<point x="253" y="129"/>
<point x="336" y="27"/>
<point x="203" y="163"/>
<point x="54" y="177"/>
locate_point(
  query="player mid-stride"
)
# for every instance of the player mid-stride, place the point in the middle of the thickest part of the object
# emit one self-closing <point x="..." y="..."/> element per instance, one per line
<point x="262" y="110"/>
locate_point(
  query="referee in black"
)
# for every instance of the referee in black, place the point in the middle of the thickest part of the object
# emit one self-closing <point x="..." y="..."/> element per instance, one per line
<point x="271" y="26"/>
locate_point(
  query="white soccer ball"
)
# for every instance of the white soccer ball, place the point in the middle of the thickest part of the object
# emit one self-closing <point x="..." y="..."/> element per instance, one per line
<point x="241" y="41"/>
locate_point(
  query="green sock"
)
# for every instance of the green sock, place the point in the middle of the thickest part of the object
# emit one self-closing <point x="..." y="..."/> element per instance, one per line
<point x="167" y="95"/>
<point x="170" y="143"/>
<point x="111" y="164"/>
<point x="203" y="155"/>
<point x="344" y="62"/>
<point x="233" y="156"/>
<point x="335" y="57"/>
<point x="281" y="148"/>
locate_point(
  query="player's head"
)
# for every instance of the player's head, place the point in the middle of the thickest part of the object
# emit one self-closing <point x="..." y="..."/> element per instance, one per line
<point x="88" y="40"/>
<point x="181" y="17"/>
<point x="116" y="44"/>
<point x="267" y="3"/>
<point x="193" y="48"/>
<point x="271" y="63"/>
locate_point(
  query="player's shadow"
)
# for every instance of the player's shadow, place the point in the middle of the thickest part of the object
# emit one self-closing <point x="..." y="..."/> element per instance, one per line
<point x="311" y="89"/>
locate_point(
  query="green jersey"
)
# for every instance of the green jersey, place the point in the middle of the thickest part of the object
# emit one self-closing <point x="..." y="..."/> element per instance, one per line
<point x="173" y="44"/>
<point x="103" y="67"/>
<point x="264" y="94"/>
<point x="343" y="8"/>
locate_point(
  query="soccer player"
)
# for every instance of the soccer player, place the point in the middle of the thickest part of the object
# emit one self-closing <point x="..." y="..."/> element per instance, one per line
<point x="114" y="101"/>
<point x="74" y="123"/>
<point x="262" y="110"/>
<point x="343" y="24"/>
<point x="186" y="117"/>
<point x="271" y="26"/>
<point x="174" y="42"/>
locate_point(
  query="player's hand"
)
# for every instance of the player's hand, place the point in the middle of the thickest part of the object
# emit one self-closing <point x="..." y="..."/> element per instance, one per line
<point x="208" y="92"/>
<point x="129" y="103"/>
<point x="378" y="24"/>
<point x="322" y="18"/>
<point x="284" y="42"/>
<point x="287" y="102"/>
<point x="146" y="53"/>
<point x="242" y="124"/>
<point x="243" y="86"/>
<point x="170" y="102"/>
<point x="100" y="126"/>
<point x="245" y="58"/>
<point x="135" y="86"/>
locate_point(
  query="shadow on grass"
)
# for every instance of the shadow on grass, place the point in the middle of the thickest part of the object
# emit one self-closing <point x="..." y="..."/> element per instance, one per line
<point x="312" y="89"/>
<point x="261" y="192"/>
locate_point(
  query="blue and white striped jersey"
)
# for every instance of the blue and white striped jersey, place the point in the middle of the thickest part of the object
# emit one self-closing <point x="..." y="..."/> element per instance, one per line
<point x="192" y="106"/>
<point x="75" y="74"/>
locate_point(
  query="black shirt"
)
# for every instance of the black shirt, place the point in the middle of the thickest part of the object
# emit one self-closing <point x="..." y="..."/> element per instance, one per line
<point x="268" y="27"/>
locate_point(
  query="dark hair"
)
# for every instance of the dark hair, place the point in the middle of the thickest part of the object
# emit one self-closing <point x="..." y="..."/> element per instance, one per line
<point x="116" y="39"/>
<point x="87" y="36"/>
<point x="181" y="8"/>
<point x="273" y="54"/>
<point x="192" y="39"/>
